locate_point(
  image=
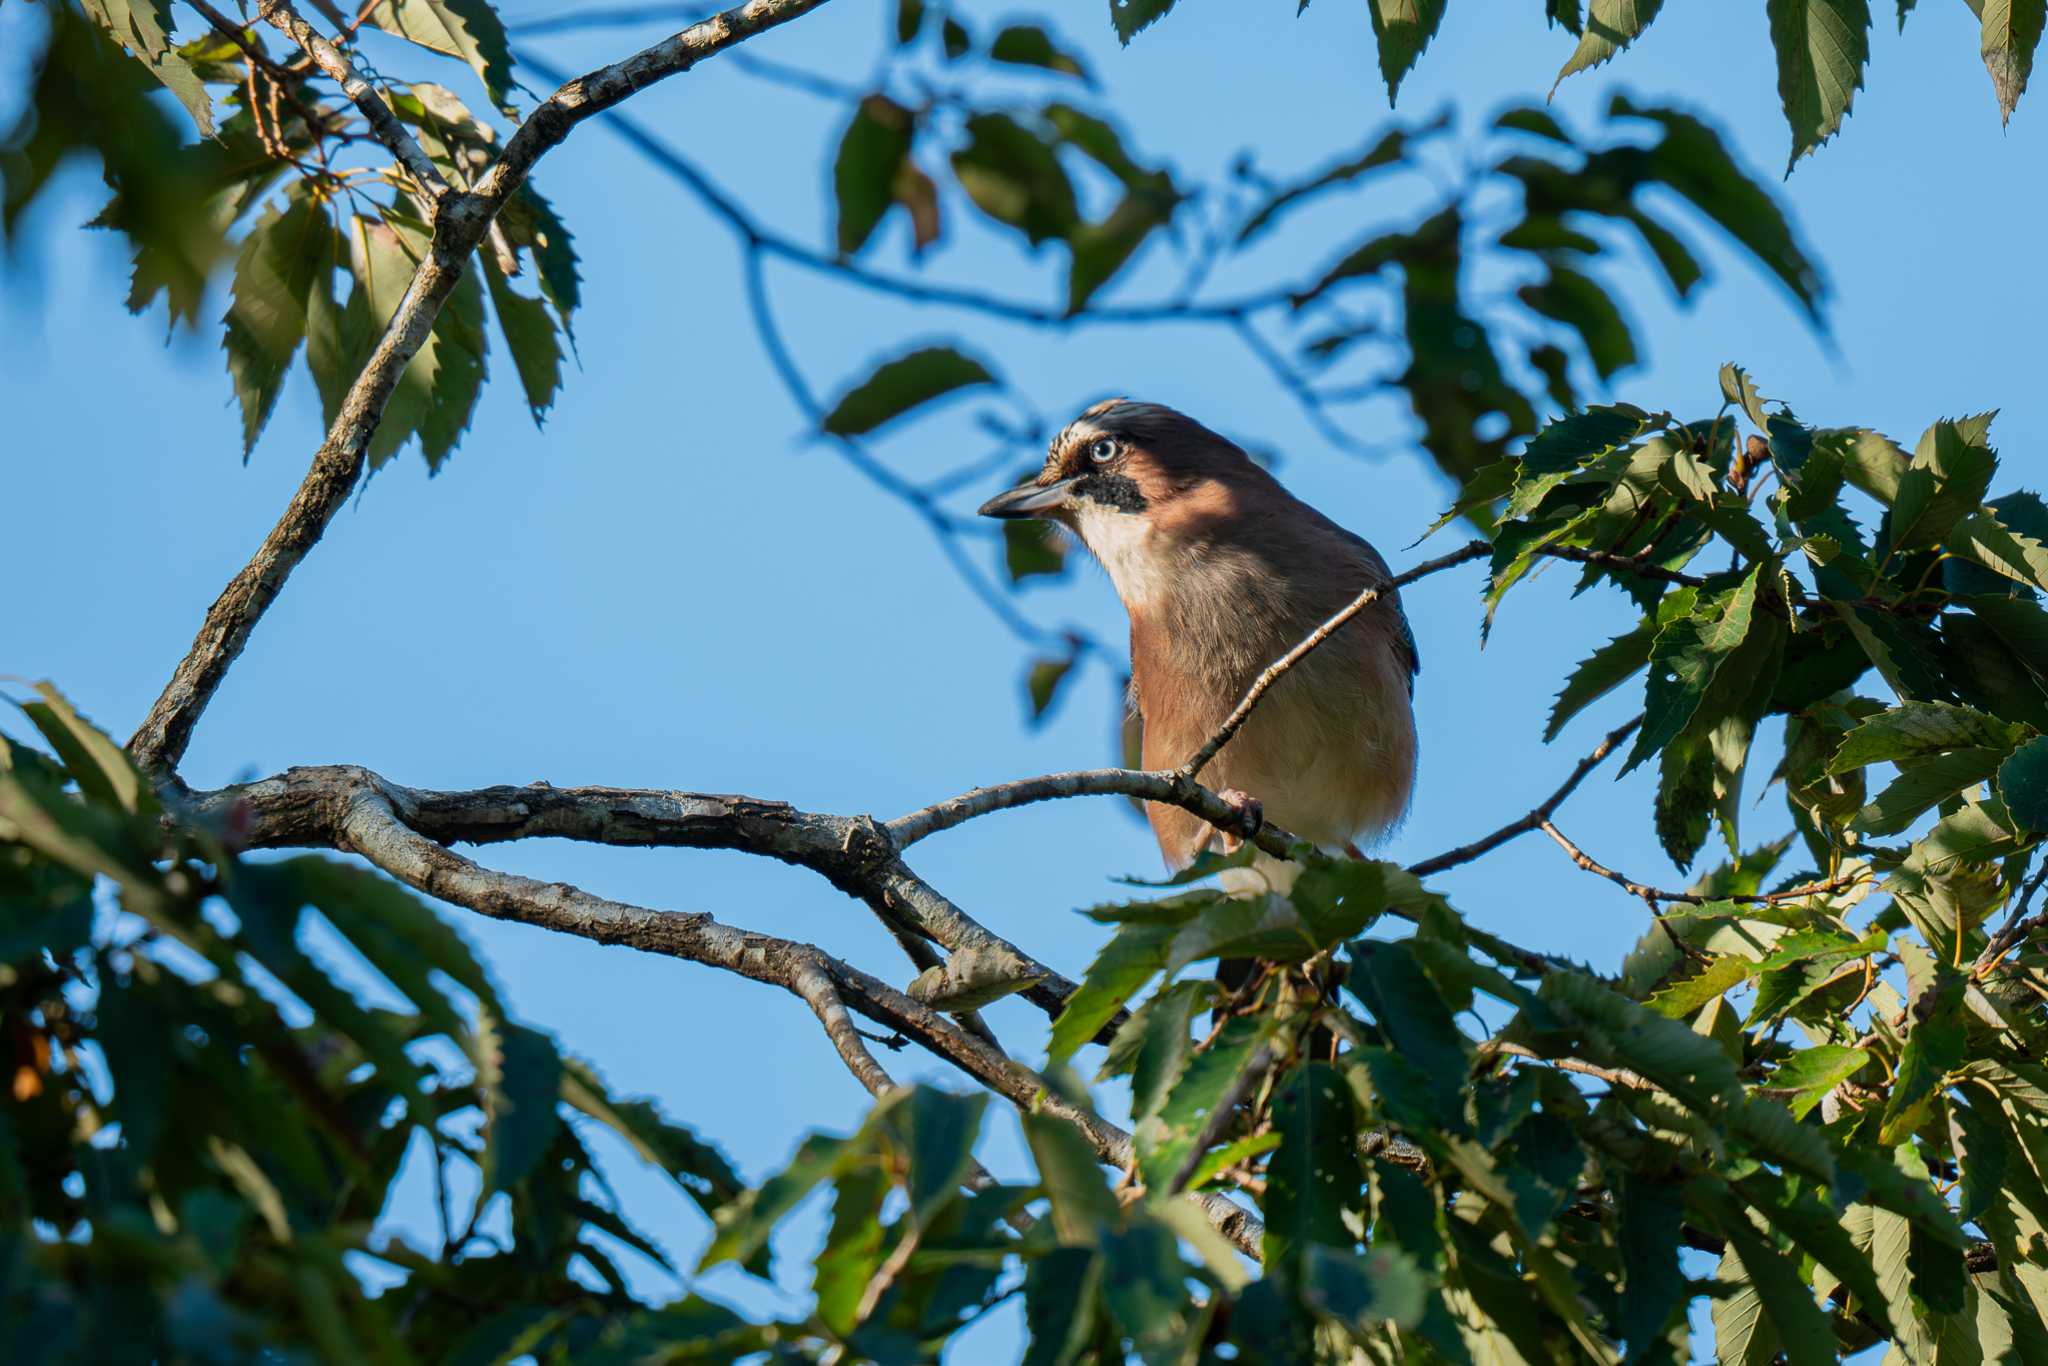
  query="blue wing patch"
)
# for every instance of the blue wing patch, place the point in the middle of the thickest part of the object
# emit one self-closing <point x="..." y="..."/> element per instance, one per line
<point x="1414" y="652"/>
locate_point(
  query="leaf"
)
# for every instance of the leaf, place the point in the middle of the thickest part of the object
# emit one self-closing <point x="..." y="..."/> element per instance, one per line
<point x="1917" y="730"/>
<point x="1611" y="25"/>
<point x="1166" y="1045"/>
<point x="901" y="384"/>
<point x="1982" y="539"/>
<point x="1031" y="45"/>
<point x="283" y="260"/>
<point x="1800" y="1327"/>
<point x="1688" y="994"/>
<point x="1654" y="1287"/>
<point x="1166" y="1141"/>
<point x="1102" y="249"/>
<point x="1364" y="1293"/>
<point x="1923" y="785"/>
<point x="744" y="1226"/>
<point x="2010" y="32"/>
<point x="101" y="768"/>
<point x="1130" y="959"/>
<point x="1685" y="660"/>
<point x="1083" y="1205"/>
<point x="872" y="151"/>
<point x="1060" y="1291"/>
<point x="1934" y="1048"/>
<point x="1573" y="439"/>
<point x="1402" y="29"/>
<point x="1694" y="162"/>
<point x="1389" y="982"/>
<point x="529" y="333"/>
<point x="1822" y="46"/>
<point x="1133" y="16"/>
<point x="521" y="1077"/>
<point x="1032" y="547"/>
<point x="1042" y="682"/>
<point x="943" y="1128"/>
<point x="1580" y="303"/>
<point x="2023" y="783"/>
<point x="143" y="28"/>
<point x="675" y="1149"/>
<point x="1014" y="176"/>
<point x="1314" y="1180"/>
<point x="1811" y="1073"/>
<point x="469" y="29"/>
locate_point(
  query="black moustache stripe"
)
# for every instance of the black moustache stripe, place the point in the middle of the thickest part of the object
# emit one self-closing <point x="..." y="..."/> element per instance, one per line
<point x="1111" y="490"/>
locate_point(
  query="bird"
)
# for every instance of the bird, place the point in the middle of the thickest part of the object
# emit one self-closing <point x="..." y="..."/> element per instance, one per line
<point x="1221" y="571"/>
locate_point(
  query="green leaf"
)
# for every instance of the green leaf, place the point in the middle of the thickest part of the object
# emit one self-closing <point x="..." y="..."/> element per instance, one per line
<point x="744" y="1226"/>
<point x="1738" y="388"/>
<point x="529" y="332"/>
<point x="1685" y="660"/>
<point x="1688" y="994"/>
<point x="871" y="154"/>
<point x="1573" y="439"/>
<point x="1032" y="547"/>
<point x="143" y="28"/>
<point x="1133" y="16"/>
<point x="1083" y="1206"/>
<point x="1934" y="1048"/>
<point x="285" y="258"/>
<point x="469" y="29"/>
<point x="1166" y="1141"/>
<point x="1042" y="682"/>
<point x="1798" y="1325"/>
<point x="1809" y="1074"/>
<point x="1924" y="784"/>
<point x="530" y="222"/>
<point x="2023" y="783"/>
<point x="1822" y="46"/>
<point x="1132" y="958"/>
<point x="1013" y="175"/>
<point x="1060" y="1292"/>
<point x="1364" y="1293"/>
<point x="1917" y="730"/>
<point x="1314" y="1182"/>
<point x="1031" y="45"/>
<point x="1402" y="29"/>
<point x="1611" y="25"/>
<point x="901" y="384"/>
<point x="1580" y="303"/>
<point x="1654" y="1287"/>
<point x="2010" y="33"/>
<point x="1982" y="539"/>
<point x="91" y="759"/>
<point x="521" y="1077"/>
<point x="695" y="1165"/>
<point x="1166" y="1045"/>
<point x="1388" y="981"/>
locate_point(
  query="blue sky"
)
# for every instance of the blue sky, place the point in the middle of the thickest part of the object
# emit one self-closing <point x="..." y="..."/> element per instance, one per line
<point x="670" y="586"/>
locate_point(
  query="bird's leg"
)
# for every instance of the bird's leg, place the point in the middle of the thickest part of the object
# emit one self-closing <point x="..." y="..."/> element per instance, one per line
<point x="1250" y="812"/>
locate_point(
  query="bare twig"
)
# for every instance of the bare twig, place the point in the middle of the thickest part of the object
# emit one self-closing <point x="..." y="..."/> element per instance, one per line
<point x="1656" y="894"/>
<point x="1465" y="853"/>
<point x="2018" y="925"/>
<point x="384" y="124"/>
<point x="1256" y="1067"/>
<point x="1613" y="1076"/>
<point x="459" y="225"/>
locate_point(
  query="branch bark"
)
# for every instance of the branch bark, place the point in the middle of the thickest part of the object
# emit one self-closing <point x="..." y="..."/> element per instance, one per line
<point x="384" y="124"/>
<point x="460" y="222"/>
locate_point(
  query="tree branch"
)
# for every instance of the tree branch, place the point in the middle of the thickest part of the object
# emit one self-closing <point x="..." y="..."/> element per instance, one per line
<point x="371" y="826"/>
<point x="384" y="124"/>
<point x="1656" y="894"/>
<point x="1465" y="853"/>
<point x="460" y="223"/>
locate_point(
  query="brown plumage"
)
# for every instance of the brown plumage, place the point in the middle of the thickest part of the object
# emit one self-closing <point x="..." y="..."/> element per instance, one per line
<point x="1221" y="570"/>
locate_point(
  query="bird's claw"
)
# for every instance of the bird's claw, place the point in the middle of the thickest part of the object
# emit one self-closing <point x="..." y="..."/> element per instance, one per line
<point x="1250" y="812"/>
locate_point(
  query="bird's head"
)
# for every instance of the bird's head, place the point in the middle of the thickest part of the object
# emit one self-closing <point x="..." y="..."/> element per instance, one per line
<point x="1124" y="474"/>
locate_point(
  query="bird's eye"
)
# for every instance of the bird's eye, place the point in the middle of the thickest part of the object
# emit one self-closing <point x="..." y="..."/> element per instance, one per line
<point x="1103" y="450"/>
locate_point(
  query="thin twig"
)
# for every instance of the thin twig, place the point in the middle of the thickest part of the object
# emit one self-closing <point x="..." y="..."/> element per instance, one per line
<point x="2017" y="924"/>
<point x="384" y="124"/>
<point x="1656" y="894"/>
<point x="1256" y="1067"/>
<point x="1465" y="853"/>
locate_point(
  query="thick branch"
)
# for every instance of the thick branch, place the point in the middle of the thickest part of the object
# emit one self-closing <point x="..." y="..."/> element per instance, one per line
<point x="371" y="826"/>
<point x="460" y="224"/>
<point x="384" y="124"/>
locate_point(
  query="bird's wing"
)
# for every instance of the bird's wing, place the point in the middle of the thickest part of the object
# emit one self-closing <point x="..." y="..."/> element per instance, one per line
<point x="1378" y="566"/>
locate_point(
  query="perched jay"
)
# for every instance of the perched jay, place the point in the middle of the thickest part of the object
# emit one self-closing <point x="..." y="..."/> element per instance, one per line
<point x="1221" y="571"/>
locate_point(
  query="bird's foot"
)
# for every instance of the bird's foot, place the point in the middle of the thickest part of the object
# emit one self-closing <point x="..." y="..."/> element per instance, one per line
<point x="1250" y="812"/>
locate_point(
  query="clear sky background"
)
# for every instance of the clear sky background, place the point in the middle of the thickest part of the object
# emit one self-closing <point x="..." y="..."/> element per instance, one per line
<point x="671" y="587"/>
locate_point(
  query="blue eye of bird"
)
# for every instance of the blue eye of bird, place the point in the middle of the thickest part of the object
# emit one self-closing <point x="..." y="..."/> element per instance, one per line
<point x="1103" y="450"/>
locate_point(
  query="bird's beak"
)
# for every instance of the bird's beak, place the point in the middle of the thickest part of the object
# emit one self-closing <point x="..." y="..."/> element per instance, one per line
<point x="1028" y="500"/>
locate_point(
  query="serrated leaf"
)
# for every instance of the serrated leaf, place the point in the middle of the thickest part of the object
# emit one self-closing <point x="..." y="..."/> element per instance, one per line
<point x="521" y="1076"/>
<point x="1133" y="16"/>
<point x="1166" y="1141"/>
<point x="1133" y="957"/>
<point x="1919" y="729"/>
<point x="1060" y="1292"/>
<point x="101" y="768"/>
<point x="744" y="1226"/>
<point x="283" y="260"/>
<point x="2023" y="783"/>
<point x="1402" y="29"/>
<point x="2010" y="32"/>
<point x="1811" y="1073"/>
<point x="903" y="383"/>
<point x="1923" y="785"/>
<point x="1685" y="660"/>
<point x="1314" y="1180"/>
<point x="1982" y="539"/>
<point x="1738" y="388"/>
<point x="1688" y="994"/>
<point x="1611" y="25"/>
<point x="529" y="332"/>
<point x="1822" y="47"/>
<point x="468" y="29"/>
<point x="1934" y="1048"/>
<point x="1575" y="438"/>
